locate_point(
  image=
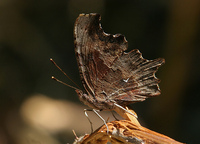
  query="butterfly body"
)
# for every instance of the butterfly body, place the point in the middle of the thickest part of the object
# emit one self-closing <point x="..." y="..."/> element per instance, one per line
<point x="94" y="103"/>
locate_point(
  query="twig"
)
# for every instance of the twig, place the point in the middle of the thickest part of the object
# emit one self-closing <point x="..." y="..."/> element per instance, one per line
<point x="127" y="131"/>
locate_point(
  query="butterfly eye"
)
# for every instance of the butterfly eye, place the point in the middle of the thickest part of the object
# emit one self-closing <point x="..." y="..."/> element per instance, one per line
<point x="79" y="92"/>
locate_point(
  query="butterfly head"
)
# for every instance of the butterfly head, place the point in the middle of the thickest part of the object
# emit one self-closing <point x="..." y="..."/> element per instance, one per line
<point x="80" y="94"/>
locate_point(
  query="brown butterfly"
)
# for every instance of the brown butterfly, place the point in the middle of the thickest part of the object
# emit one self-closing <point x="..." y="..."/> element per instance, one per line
<point x="111" y="77"/>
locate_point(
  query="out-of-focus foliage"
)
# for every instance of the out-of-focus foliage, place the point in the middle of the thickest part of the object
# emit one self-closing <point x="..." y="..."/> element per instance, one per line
<point x="36" y="109"/>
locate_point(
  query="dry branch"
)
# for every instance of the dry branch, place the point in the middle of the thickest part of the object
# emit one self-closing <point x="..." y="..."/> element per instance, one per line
<point x="127" y="131"/>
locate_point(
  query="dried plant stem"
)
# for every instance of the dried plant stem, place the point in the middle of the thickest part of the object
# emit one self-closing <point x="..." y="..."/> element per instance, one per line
<point x="127" y="131"/>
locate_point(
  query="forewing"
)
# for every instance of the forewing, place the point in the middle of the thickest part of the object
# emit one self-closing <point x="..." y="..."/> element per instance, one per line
<point x="95" y="50"/>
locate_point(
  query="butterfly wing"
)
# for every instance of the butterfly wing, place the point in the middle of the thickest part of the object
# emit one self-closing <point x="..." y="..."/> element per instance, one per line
<point x="133" y="78"/>
<point x="107" y="72"/>
<point x="95" y="50"/>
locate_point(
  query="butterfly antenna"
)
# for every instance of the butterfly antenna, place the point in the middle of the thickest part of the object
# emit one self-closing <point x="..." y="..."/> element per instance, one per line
<point x="63" y="83"/>
<point x="64" y="74"/>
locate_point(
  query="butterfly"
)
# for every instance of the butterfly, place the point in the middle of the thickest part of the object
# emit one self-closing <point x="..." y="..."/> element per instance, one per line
<point x="111" y="77"/>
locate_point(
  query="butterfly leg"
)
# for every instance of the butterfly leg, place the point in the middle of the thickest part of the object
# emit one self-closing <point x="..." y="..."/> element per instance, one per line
<point x="95" y="111"/>
<point x="85" y="111"/>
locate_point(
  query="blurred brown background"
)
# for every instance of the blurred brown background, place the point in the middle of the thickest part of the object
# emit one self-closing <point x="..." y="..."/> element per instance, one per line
<point x="36" y="110"/>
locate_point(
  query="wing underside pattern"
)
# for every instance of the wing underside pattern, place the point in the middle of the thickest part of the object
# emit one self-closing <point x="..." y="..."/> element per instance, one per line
<point x="107" y="72"/>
